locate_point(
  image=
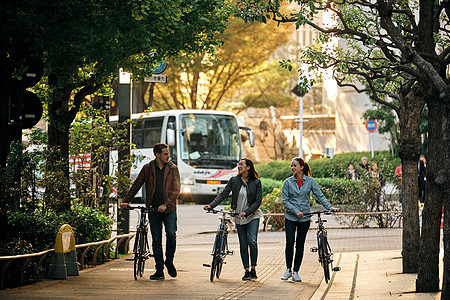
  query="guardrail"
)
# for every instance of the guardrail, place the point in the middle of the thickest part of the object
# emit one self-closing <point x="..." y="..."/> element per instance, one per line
<point x="44" y="255"/>
<point x="352" y="222"/>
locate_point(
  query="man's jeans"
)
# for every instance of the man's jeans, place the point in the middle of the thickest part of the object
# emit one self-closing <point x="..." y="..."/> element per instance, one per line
<point x="248" y="235"/>
<point x="169" y="220"/>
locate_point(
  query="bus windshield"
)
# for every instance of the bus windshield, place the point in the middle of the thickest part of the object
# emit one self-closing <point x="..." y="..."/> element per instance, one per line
<point x="209" y="141"/>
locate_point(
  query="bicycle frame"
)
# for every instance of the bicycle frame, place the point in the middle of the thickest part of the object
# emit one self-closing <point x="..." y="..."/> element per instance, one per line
<point x="141" y="248"/>
<point x="220" y="247"/>
<point x="323" y="247"/>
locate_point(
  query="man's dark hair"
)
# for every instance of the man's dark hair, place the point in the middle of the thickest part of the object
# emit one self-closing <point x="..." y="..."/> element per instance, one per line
<point x="158" y="148"/>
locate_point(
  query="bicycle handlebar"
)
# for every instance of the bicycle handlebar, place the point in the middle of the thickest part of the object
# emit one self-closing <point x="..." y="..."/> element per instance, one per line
<point x="215" y="211"/>
<point x="318" y="213"/>
<point x="143" y="208"/>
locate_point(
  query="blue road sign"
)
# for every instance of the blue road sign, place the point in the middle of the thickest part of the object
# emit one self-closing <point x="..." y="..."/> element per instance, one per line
<point x="162" y="65"/>
<point x="371" y="125"/>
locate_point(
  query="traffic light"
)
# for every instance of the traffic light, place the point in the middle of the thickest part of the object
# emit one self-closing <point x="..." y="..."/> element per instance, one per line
<point x="25" y="106"/>
<point x="32" y="106"/>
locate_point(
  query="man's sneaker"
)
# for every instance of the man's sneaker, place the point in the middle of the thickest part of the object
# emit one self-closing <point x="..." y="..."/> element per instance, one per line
<point x="296" y="277"/>
<point x="171" y="269"/>
<point x="287" y="274"/>
<point x="253" y="274"/>
<point x="159" y="275"/>
<point x="247" y="276"/>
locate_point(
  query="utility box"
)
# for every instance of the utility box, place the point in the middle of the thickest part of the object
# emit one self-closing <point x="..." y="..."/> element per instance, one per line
<point x="329" y="152"/>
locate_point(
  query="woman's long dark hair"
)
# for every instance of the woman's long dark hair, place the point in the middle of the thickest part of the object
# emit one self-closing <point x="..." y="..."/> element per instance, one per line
<point x="252" y="174"/>
<point x="306" y="168"/>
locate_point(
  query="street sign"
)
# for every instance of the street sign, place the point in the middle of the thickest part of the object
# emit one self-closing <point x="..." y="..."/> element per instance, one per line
<point x="371" y="125"/>
<point x="162" y="65"/>
<point x="156" y="78"/>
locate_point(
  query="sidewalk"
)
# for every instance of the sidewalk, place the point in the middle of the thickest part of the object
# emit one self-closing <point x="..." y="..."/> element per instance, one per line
<point x="369" y="259"/>
<point x="372" y="275"/>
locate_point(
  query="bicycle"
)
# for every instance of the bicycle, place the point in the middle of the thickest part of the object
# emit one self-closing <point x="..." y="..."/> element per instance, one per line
<point x="141" y="248"/>
<point x="323" y="247"/>
<point x="220" y="247"/>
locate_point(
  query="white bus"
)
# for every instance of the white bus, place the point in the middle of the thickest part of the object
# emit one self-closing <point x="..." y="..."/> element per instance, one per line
<point x="204" y="144"/>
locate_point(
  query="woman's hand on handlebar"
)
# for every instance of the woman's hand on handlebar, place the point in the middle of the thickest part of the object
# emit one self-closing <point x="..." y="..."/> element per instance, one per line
<point x="335" y="209"/>
<point x="206" y="207"/>
<point x="300" y="214"/>
<point x="242" y="215"/>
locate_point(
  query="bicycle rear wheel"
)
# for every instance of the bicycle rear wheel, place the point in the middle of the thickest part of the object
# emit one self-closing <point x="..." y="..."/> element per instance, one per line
<point x="324" y="256"/>
<point x="137" y="254"/>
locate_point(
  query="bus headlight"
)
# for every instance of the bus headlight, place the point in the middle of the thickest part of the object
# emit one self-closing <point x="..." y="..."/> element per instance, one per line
<point x="188" y="181"/>
<point x="187" y="190"/>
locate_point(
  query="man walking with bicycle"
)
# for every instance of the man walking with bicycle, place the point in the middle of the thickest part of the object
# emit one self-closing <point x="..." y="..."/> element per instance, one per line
<point x="162" y="187"/>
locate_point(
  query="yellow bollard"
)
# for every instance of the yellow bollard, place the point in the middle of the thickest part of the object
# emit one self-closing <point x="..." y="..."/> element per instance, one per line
<point x="64" y="257"/>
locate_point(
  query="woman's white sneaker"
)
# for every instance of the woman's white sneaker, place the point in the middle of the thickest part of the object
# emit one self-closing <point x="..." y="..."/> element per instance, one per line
<point x="296" y="277"/>
<point x="287" y="274"/>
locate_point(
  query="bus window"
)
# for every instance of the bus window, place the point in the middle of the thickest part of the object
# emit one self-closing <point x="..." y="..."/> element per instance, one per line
<point x="152" y="132"/>
<point x="137" y="138"/>
<point x="173" y="149"/>
<point x="209" y="141"/>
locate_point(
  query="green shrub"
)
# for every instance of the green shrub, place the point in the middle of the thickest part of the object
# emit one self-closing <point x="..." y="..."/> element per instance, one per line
<point x="337" y="166"/>
<point x="269" y="184"/>
<point x="272" y="203"/>
<point x="277" y="170"/>
<point x="89" y="225"/>
<point x="339" y="191"/>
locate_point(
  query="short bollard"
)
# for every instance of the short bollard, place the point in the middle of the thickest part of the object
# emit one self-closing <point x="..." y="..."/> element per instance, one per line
<point x="64" y="257"/>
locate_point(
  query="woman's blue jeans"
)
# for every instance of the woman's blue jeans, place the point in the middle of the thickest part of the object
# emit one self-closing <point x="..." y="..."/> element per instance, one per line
<point x="302" y="229"/>
<point x="248" y="239"/>
<point x="156" y="220"/>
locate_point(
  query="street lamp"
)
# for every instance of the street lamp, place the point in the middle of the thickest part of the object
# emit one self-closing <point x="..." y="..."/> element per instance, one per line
<point x="301" y="88"/>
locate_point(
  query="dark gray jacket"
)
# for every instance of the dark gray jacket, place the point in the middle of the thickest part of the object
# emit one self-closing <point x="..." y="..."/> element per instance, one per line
<point x="254" y="194"/>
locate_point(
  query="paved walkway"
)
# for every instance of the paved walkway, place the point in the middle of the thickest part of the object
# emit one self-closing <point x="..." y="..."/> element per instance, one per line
<point x="369" y="259"/>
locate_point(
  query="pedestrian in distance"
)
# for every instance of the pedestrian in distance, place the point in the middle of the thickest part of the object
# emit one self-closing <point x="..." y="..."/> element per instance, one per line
<point x="422" y="171"/>
<point x="398" y="174"/>
<point x="162" y="187"/>
<point x="352" y="173"/>
<point x="245" y="200"/>
<point x="296" y="200"/>
<point x="364" y="165"/>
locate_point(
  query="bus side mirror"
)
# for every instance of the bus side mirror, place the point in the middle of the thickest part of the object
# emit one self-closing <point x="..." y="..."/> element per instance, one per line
<point x="251" y="135"/>
<point x="170" y="137"/>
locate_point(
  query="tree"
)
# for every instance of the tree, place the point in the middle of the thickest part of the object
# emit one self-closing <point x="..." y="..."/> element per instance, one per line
<point x="201" y="81"/>
<point x="84" y="43"/>
<point x="399" y="50"/>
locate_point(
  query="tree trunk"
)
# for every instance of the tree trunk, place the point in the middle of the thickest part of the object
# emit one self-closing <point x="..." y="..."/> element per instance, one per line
<point x="428" y="277"/>
<point x="57" y="189"/>
<point x="446" y="199"/>
<point x="409" y="151"/>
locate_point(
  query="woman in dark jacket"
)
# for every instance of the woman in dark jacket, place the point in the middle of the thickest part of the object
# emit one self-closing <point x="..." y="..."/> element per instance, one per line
<point x="245" y="200"/>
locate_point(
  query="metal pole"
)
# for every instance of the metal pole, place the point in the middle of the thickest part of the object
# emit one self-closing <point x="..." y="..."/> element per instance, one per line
<point x="371" y="143"/>
<point x="300" y="126"/>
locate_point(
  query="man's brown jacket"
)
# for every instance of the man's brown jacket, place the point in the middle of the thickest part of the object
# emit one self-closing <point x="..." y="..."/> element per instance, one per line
<point x="171" y="185"/>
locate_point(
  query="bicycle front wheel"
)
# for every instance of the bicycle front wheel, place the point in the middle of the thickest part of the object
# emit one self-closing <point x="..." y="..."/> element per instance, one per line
<point x="143" y="249"/>
<point x="223" y="252"/>
<point x="137" y="253"/>
<point x="324" y="256"/>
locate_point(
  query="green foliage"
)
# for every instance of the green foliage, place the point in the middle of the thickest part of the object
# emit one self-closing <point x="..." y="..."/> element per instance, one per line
<point x="337" y="166"/>
<point x="339" y="191"/>
<point x="269" y="184"/>
<point x="272" y="203"/>
<point x="277" y="170"/>
<point x="39" y="231"/>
